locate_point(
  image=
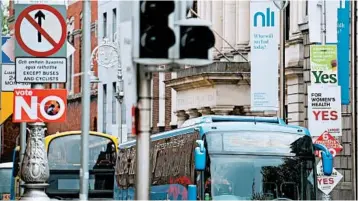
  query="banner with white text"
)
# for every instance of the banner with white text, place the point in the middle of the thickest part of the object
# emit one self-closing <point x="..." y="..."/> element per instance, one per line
<point x="324" y="110"/>
<point x="264" y="37"/>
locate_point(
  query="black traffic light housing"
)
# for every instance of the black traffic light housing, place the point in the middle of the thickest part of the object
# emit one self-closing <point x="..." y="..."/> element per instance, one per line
<point x="195" y="41"/>
<point x="153" y="32"/>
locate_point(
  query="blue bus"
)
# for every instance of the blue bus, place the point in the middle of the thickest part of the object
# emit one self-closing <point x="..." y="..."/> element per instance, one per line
<point x="227" y="158"/>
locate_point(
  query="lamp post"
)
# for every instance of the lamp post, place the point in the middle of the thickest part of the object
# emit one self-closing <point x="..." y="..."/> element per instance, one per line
<point x="107" y="55"/>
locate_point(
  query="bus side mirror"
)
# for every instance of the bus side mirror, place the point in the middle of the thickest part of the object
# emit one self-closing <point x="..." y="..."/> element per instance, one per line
<point x="191" y="192"/>
<point x="200" y="156"/>
<point x="327" y="159"/>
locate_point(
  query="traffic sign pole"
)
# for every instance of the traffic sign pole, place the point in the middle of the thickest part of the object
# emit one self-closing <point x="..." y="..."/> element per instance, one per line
<point x="323" y="36"/>
<point x="282" y="7"/>
<point x="86" y="93"/>
<point x="143" y="135"/>
<point x="40" y="57"/>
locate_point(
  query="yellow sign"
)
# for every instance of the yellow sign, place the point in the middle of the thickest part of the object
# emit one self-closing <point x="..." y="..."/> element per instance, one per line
<point x="7" y="104"/>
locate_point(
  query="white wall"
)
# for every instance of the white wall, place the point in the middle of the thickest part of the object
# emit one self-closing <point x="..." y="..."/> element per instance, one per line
<point x="109" y="76"/>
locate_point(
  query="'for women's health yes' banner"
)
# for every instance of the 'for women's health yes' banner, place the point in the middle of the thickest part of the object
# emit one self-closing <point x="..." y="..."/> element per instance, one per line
<point x="264" y="28"/>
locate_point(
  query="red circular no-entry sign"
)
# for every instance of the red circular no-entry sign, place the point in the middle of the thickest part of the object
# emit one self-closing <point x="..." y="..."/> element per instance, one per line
<point x="25" y="14"/>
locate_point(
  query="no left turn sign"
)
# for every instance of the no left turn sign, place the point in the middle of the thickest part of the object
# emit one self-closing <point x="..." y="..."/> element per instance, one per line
<point x="40" y="30"/>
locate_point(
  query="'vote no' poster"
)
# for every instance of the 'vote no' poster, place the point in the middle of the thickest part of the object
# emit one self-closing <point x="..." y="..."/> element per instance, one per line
<point x="324" y="110"/>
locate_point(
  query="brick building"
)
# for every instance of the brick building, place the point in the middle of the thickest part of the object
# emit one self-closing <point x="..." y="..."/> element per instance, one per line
<point x="163" y="105"/>
<point x="73" y="85"/>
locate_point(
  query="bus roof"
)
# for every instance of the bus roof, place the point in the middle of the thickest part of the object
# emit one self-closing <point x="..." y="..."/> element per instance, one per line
<point x="6" y="165"/>
<point x="59" y="134"/>
<point x="50" y="137"/>
<point x="228" y="123"/>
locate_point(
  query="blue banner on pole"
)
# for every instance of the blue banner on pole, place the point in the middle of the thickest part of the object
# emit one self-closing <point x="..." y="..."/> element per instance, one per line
<point x="343" y="50"/>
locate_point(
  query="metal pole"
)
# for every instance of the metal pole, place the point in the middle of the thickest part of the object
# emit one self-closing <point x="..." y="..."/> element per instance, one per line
<point x="354" y="94"/>
<point x="323" y="23"/>
<point x="323" y="42"/>
<point x="282" y="64"/>
<point x="120" y="101"/>
<point x="22" y="146"/>
<point x="34" y="164"/>
<point x="143" y="135"/>
<point x="86" y="93"/>
<point x="22" y="140"/>
<point x="120" y="91"/>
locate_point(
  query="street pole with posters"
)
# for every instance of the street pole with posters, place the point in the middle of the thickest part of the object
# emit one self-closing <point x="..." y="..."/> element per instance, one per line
<point x="323" y="42"/>
<point x="281" y="5"/>
<point x="354" y="94"/>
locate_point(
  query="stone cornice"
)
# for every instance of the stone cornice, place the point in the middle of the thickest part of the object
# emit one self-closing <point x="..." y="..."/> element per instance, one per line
<point x="206" y="80"/>
<point x="78" y="32"/>
<point x="216" y="67"/>
<point x="75" y="97"/>
<point x="294" y="68"/>
<point x="297" y="40"/>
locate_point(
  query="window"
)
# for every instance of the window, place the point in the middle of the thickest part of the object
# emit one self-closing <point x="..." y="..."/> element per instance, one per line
<point x="287" y="34"/>
<point x="114" y="24"/>
<point x="5" y="176"/>
<point x="104" y="25"/>
<point x="306" y="8"/>
<point x="114" y="100"/>
<point x="104" y="108"/>
<point x="80" y="67"/>
<point x="95" y="124"/>
<point x="161" y="128"/>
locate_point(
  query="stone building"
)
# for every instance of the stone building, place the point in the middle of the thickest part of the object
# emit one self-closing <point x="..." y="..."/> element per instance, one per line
<point x="224" y="86"/>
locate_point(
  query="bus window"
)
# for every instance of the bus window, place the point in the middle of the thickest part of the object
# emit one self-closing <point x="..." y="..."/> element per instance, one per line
<point x="5" y="185"/>
<point x="64" y="158"/>
<point x="65" y="152"/>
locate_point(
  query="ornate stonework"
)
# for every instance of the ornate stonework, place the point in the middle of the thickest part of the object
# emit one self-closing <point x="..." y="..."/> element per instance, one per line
<point x="34" y="167"/>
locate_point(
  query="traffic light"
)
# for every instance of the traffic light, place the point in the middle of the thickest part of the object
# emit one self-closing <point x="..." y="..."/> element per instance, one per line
<point x="153" y="32"/>
<point x="195" y="41"/>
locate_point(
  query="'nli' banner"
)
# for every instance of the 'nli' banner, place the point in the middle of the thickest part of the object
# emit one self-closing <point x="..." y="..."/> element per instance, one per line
<point x="264" y="28"/>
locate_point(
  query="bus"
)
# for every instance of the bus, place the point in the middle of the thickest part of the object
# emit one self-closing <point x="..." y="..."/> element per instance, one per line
<point x="64" y="160"/>
<point x="5" y="178"/>
<point x="227" y="158"/>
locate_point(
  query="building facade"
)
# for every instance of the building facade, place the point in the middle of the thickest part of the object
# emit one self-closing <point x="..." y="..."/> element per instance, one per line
<point x="114" y="25"/>
<point x="224" y="86"/>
